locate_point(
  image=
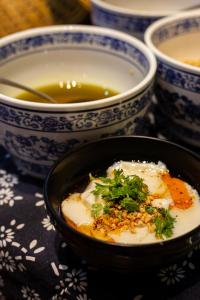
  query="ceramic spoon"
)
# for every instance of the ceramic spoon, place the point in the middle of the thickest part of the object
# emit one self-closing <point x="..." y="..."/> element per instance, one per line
<point x="26" y="88"/>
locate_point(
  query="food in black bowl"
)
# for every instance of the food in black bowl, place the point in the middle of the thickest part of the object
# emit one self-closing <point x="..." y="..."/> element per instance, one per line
<point x="126" y="203"/>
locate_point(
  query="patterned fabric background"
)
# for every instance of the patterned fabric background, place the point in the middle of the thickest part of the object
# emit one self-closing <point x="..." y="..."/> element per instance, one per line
<point x="35" y="263"/>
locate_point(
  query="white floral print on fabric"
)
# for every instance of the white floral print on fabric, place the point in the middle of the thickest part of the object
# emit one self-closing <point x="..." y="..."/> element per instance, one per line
<point x="29" y="294"/>
<point x="83" y="297"/>
<point x="175" y="273"/>
<point x="32" y="246"/>
<point x="46" y="222"/>
<point x="63" y="245"/>
<point x="7" y="262"/>
<point x="75" y="281"/>
<point x="7" y="234"/>
<point x="7" y="197"/>
<point x="57" y="268"/>
<point x="187" y="262"/>
<point x="39" y="200"/>
<point x="172" y="274"/>
<point x="7" y="180"/>
<point x="62" y="288"/>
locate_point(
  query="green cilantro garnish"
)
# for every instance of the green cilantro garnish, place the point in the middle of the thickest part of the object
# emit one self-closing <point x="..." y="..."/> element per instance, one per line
<point x="127" y="191"/>
<point x="96" y="210"/>
<point x="119" y="216"/>
<point x="164" y="223"/>
<point x="150" y="209"/>
<point x="107" y="209"/>
<point x="129" y="204"/>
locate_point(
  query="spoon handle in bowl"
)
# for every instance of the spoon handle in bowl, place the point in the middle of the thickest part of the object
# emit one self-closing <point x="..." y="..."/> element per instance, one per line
<point x="26" y="88"/>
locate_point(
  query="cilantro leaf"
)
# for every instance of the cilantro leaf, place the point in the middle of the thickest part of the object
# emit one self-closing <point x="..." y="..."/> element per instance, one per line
<point x="106" y="209"/>
<point x="129" y="204"/>
<point x="96" y="210"/>
<point x="119" y="216"/>
<point x="127" y="191"/>
<point x="164" y="223"/>
<point x="150" y="209"/>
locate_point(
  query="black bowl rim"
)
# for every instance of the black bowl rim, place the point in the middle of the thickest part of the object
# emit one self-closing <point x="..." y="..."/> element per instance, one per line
<point x="62" y="223"/>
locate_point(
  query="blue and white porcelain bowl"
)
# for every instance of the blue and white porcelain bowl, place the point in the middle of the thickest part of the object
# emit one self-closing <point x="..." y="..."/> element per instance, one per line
<point x="36" y="134"/>
<point x="175" y="40"/>
<point x="133" y="16"/>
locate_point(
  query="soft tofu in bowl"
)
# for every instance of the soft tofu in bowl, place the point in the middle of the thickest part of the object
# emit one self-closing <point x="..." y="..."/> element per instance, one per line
<point x="136" y="202"/>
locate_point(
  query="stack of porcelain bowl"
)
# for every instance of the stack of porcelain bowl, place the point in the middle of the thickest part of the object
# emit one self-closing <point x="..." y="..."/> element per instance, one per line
<point x="133" y="16"/>
<point x="175" y="41"/>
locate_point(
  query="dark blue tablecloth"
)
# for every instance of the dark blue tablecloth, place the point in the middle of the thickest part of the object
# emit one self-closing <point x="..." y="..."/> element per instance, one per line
<point x="35" y="263"/>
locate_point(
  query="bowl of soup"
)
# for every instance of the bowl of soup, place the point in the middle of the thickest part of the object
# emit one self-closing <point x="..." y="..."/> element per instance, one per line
<point x="176" y="43"/>
<point x="101" y="81"/>
<point x="126" y="203"/>
<point x="133" y="16"/>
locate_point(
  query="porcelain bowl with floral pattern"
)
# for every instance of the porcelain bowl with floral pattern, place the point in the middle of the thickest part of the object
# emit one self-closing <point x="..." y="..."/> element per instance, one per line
<point x="36" y="134"/>
<point x="133" y="16"/>
<point x="176" y="43"/>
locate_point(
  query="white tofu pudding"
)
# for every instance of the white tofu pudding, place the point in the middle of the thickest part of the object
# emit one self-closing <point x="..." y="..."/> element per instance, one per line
<point x="136" y="203"/>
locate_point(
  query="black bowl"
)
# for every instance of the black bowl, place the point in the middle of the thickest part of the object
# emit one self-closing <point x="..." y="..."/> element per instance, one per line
<point x="71" y="172"/>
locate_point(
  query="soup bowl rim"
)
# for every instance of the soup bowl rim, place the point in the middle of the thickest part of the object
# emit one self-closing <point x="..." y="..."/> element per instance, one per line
<point x="131" y="11"/>
<point x="162" y="56"/>
<point x="138" y="89"/>
<point x="116" y="245"/>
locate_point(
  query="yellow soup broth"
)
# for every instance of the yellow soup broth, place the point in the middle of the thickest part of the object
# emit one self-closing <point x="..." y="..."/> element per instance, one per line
<point x="192" y="62"/>
<point x="70" y="92"/>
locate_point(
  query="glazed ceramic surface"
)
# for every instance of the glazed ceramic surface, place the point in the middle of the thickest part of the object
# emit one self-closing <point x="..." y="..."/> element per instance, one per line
<point x="134" y="16"/>
<point x="36" y="134"/>
<point x="71" y="174"/>
<point x="174" y="40"/>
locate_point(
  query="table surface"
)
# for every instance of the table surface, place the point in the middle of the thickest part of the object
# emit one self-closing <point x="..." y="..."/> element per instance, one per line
<point x="35" y="263"/>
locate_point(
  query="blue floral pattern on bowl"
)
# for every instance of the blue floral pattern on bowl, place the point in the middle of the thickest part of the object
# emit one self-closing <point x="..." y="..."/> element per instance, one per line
<point x="66" y="39"/>
<point x="73" y="122"/>
<point x="181" y="111"/>
<point x="132" y="24"/>
<point x="179" y="78"/>
<point x="34" y="154"/>
<point x="43" y="148"/>
<point x="36" y="139"/>
<point x="178" y="86"/>
<point x="179" y="107"/>
<point x="175" y="131"/>
<point x="176" y="28"/>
